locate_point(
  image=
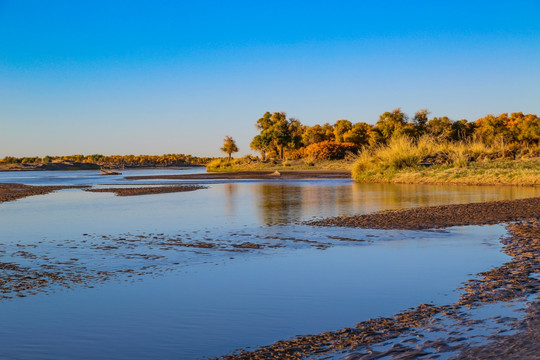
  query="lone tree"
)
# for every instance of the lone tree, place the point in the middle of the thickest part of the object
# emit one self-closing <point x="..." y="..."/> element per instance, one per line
<point x="229" y="146"/>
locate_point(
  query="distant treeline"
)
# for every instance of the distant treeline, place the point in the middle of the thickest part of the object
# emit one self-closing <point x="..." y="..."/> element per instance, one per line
<point x="115" y="160"/>
<point x="281" y="137"/>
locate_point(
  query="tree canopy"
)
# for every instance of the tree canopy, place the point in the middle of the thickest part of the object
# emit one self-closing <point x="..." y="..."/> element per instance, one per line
<point x="280" y="136"/>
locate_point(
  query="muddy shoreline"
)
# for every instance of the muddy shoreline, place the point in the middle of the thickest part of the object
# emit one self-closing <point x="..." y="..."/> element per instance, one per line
<point x="251" y="175"/>
<point x="10" y="192"/>
<point x="149" y="190"/>
<point x="13" y="191"/>
<point x="510" y="282"/>
<point x="436" y="217"/>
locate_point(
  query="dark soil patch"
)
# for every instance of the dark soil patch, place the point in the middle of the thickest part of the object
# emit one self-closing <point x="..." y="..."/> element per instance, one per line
<point x="199" y="244"/>
<point x="10" y="192"/>
<point x="442" y="216"/>
<point x="149" y="190"/>
<point x="248" y="245"/>
<point x="21" y="281"/>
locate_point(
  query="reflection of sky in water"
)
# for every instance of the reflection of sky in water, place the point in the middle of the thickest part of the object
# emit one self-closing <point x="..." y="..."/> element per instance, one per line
<point x="253" y="299"/>
<point x="228" y="300"/>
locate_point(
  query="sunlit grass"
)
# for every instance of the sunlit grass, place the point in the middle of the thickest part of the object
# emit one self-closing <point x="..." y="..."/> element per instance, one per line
<point x="427" y="161"/>
<point x="253" y="164"/>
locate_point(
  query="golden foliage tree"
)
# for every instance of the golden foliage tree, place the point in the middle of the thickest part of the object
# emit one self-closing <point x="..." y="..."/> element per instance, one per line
<point x="229" y="146"/>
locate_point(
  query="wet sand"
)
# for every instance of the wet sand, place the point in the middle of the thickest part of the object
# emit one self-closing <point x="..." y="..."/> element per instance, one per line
<point x="149" y="190"/>
<point x="252" y="175"/>
<point x="436" y="217"/>
<point x="525" y="344"/>
<point x="10" y="192"/>
<point x="408" y="329"/>
<point x="31" y="268"/>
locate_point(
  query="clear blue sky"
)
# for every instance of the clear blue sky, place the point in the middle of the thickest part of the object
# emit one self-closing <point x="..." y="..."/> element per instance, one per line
<point x="154" y="77"/>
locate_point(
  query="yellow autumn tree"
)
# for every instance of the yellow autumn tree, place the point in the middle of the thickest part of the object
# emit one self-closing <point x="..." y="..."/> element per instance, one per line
<point x="229" y="146"/>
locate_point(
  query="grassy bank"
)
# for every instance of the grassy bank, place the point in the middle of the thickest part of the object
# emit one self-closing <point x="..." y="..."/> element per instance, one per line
<point x="422" y="161"/>
<point x="254" y="164"/>
<point x="429" y="162"/>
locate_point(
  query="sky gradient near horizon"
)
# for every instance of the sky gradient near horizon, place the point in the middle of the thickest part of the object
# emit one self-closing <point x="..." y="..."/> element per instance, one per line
<point x="154" y="77"/>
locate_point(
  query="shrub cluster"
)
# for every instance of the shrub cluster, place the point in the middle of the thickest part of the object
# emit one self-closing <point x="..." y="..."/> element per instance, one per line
<point x="329" y="150"/>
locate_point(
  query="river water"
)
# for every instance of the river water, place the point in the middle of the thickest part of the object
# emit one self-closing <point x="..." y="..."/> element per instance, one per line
<point x="183" y="302"/>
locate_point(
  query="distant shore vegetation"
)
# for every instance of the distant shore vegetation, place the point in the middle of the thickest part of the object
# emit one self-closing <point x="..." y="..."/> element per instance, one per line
<point x="116" y="161"/>
<point x="501" y="149"/>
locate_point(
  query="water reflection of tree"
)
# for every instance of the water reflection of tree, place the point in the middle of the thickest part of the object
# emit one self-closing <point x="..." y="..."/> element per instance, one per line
<point x="327" y="200"/>
<point x="279" y="202"/>
<point x="230" y="198"/>
<point x="282" y="202"/>
<point x="286" y="202"/>
<point x="375" y="197"/>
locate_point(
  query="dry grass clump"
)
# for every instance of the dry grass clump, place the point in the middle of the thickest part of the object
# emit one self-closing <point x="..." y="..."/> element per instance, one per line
<point x="224" y="164"/>
<point x="425" y="160"/>
<point x="364" y="162"/>
<point x="400" y="153"/>
<point x="218" y="165"/>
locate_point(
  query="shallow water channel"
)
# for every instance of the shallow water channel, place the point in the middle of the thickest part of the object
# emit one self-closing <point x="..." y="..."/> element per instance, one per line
<point x="160" y="300"/>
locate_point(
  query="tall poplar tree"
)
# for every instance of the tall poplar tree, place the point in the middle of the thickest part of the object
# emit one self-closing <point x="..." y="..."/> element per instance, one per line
<point x="229" y="146"/>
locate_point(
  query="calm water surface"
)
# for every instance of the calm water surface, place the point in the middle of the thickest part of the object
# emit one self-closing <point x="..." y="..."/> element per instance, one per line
<point x="196" y="303"/>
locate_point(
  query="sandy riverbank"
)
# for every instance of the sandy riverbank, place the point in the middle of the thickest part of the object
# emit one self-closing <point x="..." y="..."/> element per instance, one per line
<point x="251" y="175"/>
<point x="436" y="217"/>
<point x="10" y="192"/>
<point x="149" y="190"/>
